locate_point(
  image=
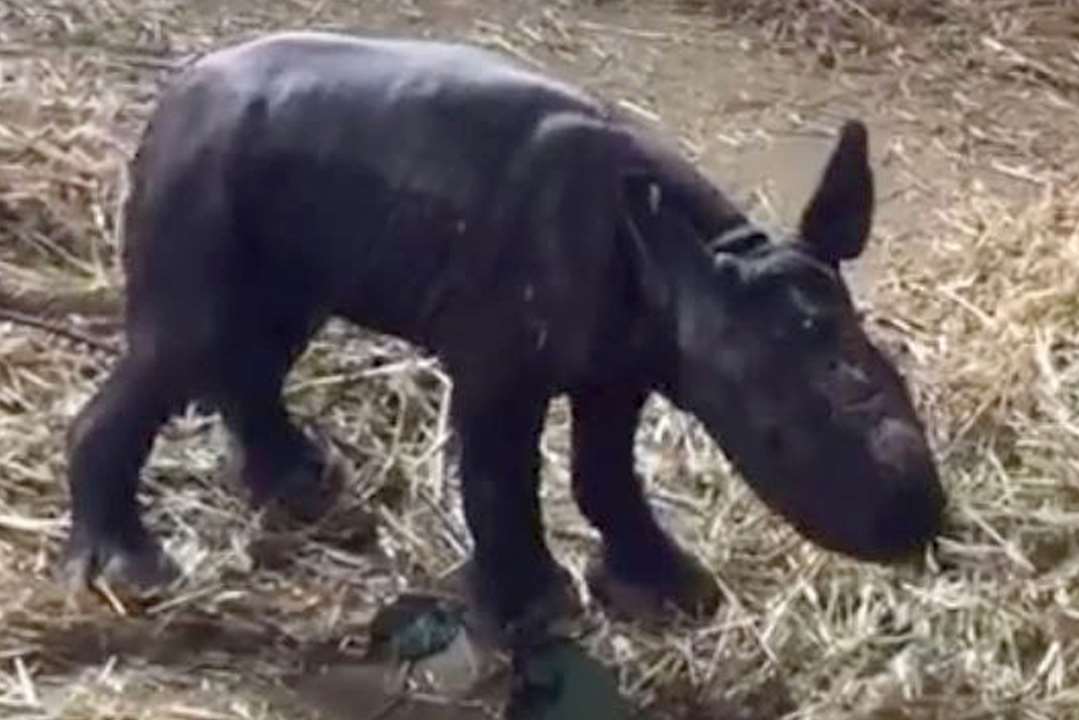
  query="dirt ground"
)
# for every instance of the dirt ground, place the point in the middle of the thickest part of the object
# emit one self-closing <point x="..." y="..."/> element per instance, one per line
<point x="971" y="282"/>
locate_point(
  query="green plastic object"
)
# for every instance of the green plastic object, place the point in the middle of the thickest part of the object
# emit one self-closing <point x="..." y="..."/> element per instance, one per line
<point x="415" y="628"/>
<point x="559" y="681"/>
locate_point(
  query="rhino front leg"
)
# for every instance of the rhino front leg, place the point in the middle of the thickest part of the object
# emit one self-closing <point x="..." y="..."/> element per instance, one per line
<point x="642" y="569"/>
<point x="514" y="583"/>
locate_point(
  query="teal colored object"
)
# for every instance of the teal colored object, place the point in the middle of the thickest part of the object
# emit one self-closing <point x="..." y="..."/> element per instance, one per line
<point x="426" y="635"/>
<point x="560" y="681"/>
<point x="415" y="627"/>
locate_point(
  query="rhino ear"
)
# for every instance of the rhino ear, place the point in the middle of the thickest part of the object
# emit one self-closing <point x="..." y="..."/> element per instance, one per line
<point x="642" y="223"/>
<point x="837" y="220"/>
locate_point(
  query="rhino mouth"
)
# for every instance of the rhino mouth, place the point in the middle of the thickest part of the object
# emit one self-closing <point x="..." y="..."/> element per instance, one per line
<point x="872" y="495"/>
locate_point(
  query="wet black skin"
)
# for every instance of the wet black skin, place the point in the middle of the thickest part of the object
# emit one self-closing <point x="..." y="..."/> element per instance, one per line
<point x="538" y="244"/>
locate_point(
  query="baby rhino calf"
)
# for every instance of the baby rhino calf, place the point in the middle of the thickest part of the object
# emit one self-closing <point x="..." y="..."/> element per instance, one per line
<point x="538" y="243"/>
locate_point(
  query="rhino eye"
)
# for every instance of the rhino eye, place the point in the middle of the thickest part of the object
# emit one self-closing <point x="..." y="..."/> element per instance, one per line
<point x="817" y="329"/>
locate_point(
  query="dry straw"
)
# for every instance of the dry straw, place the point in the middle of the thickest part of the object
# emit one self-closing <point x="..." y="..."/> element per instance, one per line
<point x="986" y="321"/>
